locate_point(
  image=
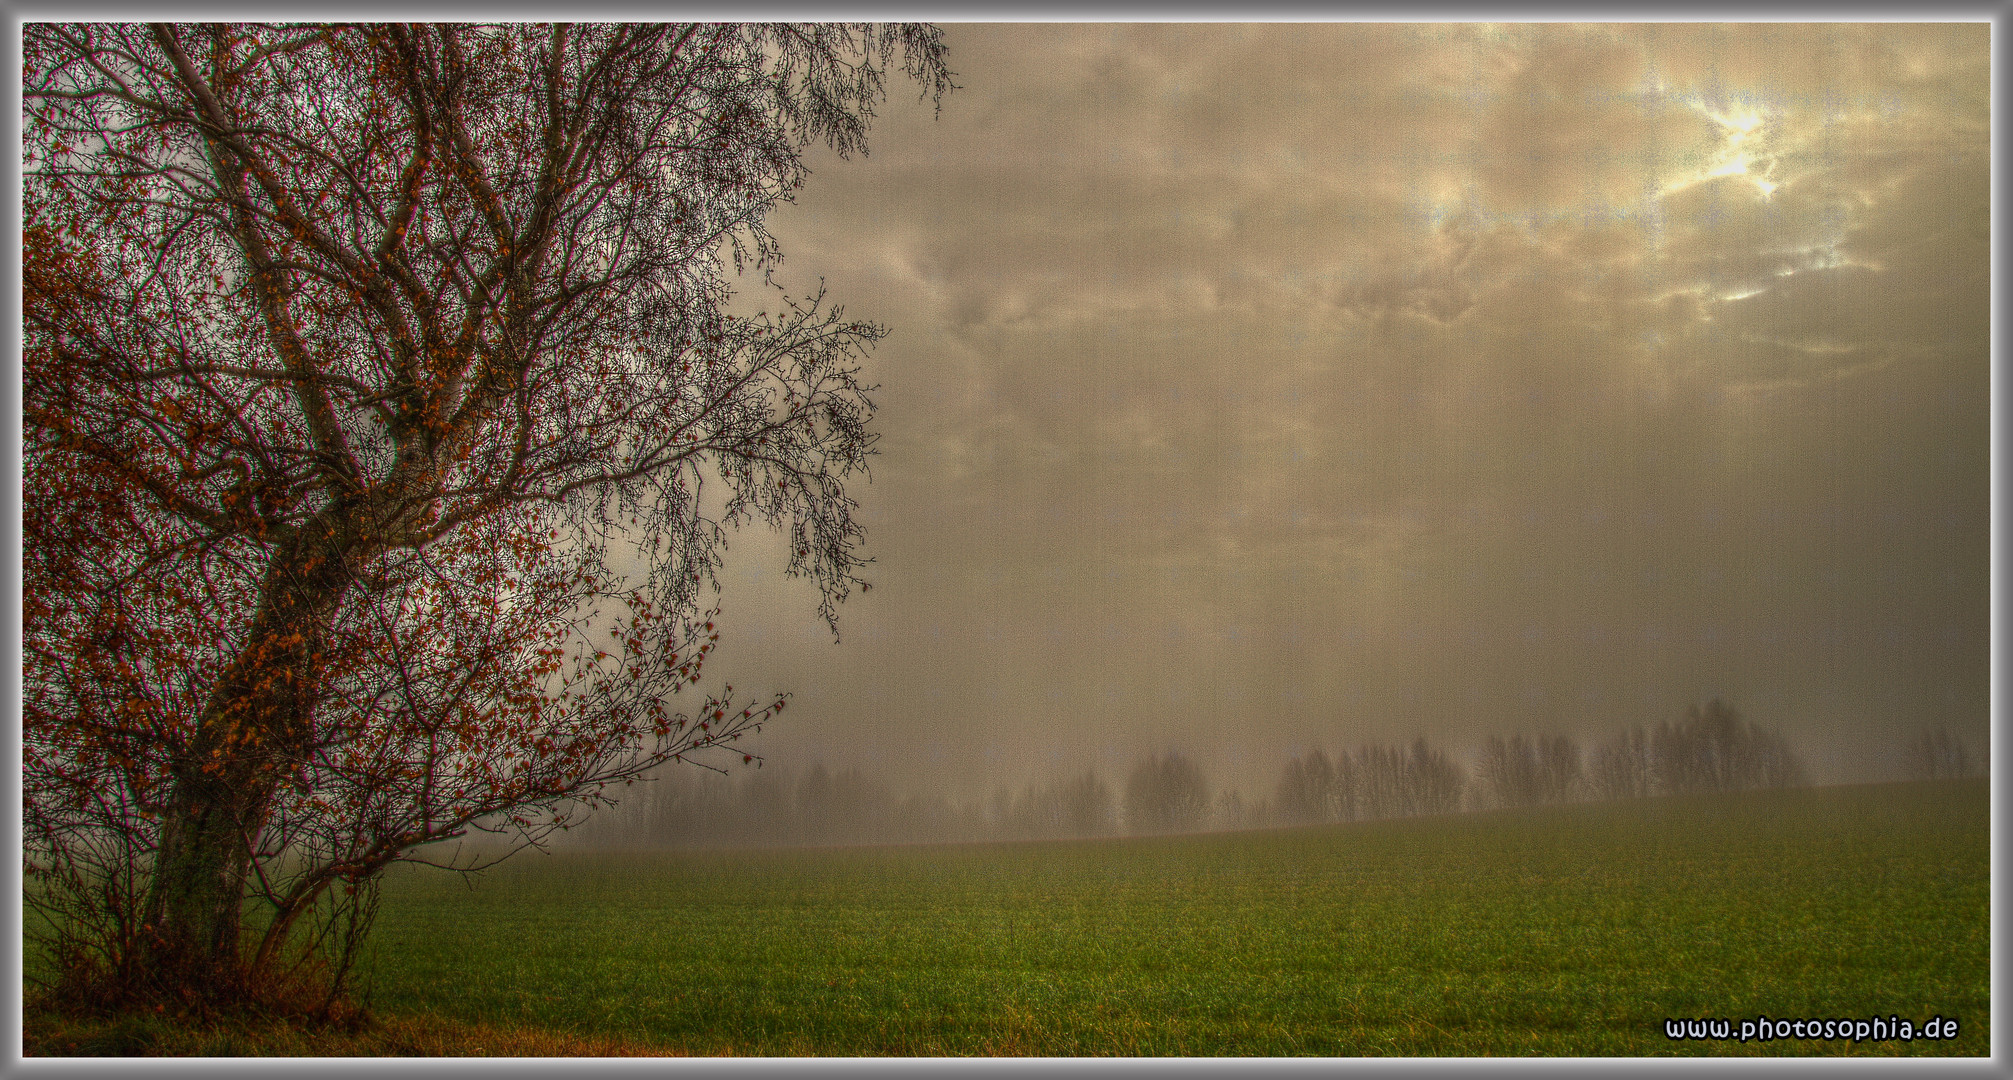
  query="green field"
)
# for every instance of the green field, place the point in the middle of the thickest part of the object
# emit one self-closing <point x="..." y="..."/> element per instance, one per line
<point x="1567" y="930"/>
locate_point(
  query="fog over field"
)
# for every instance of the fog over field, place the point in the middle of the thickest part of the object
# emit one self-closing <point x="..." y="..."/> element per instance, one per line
<point x="1258" y="388"/>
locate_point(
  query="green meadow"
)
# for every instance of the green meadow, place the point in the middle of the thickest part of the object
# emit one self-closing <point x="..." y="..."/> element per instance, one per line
<point x="1573" y="930"/>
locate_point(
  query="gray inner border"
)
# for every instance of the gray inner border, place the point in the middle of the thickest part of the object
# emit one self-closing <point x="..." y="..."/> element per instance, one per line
<point x="15" y="12"/>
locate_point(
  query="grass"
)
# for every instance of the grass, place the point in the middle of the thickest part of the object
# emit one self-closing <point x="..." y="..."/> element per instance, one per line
<point x="1567" y="930"/>
<point x="46" y="1034"/>
<point x="1558" y="931"/>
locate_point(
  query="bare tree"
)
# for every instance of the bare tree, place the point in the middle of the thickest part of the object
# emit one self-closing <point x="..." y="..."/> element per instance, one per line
<point x="1438" y="782"/>
<point x="815" y="802"/>
<point x="1937" y="754"/>
<point x="1560" y="771"/>
<point x="1521" y="771"/>
<point x="1350" y="799"/>
<point x="1374" y="782"/>
<point x="1307" y="791"/>
<point x="1381" y="786"/>
<point x="1715" y="749"/>
<point x="353" y="358"/>
<point x="1166" y="794"/>
<point x="1232" y="812"/>
<point x="1509" y="770"/>
<point x="1777" y="766"/>
<point x="1621" y="766"/>
<point x="1085" y="805"/>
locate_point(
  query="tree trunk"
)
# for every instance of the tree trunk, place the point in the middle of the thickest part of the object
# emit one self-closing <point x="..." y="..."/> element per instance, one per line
<point x="200" y="871"/>
<point x="255" y="730"/>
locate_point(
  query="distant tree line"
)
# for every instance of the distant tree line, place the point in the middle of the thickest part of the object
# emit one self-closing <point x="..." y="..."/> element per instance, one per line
<point x="1710" y="749"/>
<point x="1937" y="754"/>
<point x="1521" y="771"/>
<point x="776" y="806"/>
<point x="772" y="806"/>
<point x="1079" y="805"/>
<point x="1164" y="793"/>
<point x="1374" y="782"/>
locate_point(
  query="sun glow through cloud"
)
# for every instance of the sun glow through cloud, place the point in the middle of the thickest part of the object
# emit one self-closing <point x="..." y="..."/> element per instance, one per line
<point x="1742" y="149"/>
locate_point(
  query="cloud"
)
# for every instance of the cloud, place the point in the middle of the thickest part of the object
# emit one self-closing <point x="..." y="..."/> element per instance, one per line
<point x="1476" y="377"/>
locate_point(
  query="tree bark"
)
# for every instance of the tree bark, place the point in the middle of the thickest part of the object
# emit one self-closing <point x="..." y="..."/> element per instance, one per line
<point x="254" y="731"/>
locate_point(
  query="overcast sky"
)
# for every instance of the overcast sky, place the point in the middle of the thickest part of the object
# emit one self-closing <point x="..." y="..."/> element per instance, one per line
<point x="1254" y="388"/>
